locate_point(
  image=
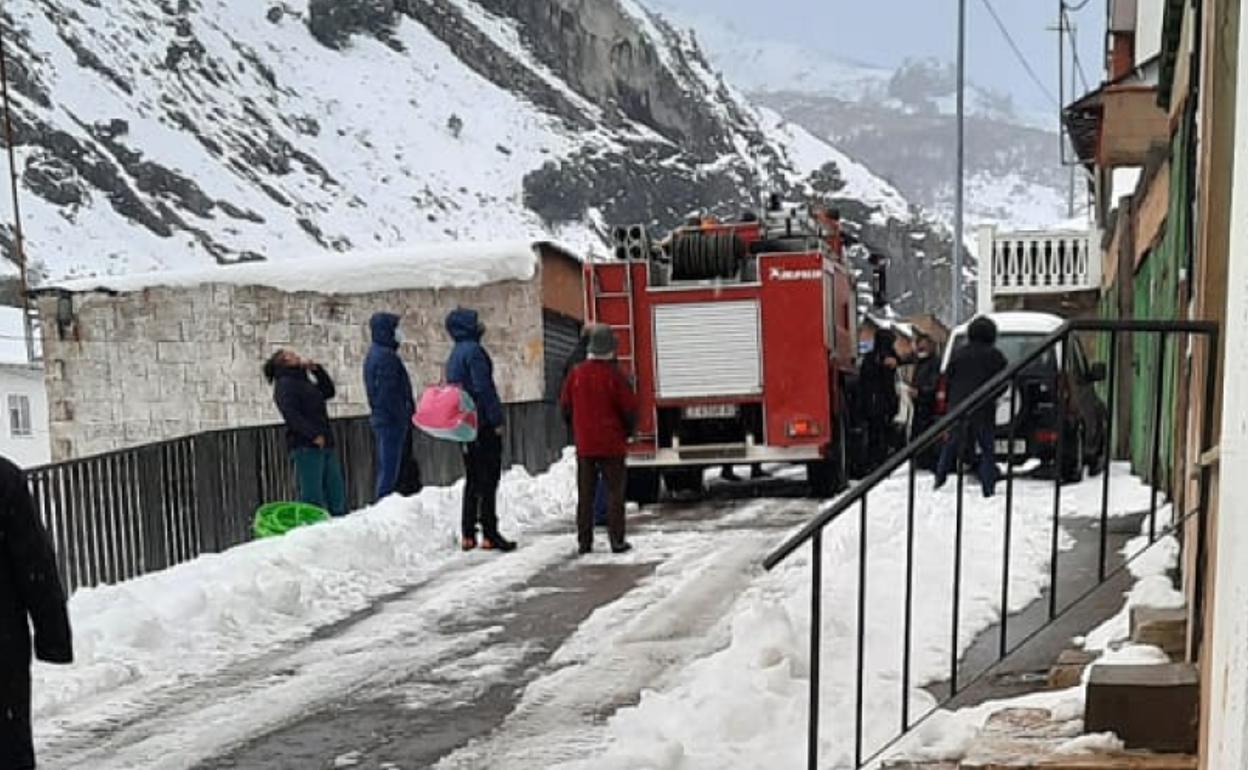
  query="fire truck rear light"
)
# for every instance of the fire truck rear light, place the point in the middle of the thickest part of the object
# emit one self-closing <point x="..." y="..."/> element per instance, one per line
<point x="1046" y="436"/>
<point x="803" y="429"/>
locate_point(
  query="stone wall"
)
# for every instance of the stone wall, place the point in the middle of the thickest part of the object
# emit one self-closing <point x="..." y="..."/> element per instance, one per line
<point x="164" y="362"/>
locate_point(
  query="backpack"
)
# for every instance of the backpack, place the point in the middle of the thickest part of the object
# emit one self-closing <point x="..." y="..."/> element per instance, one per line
<point x="447" y="412"/>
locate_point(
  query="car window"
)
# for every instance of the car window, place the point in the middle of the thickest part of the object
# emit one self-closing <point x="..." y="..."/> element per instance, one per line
<point x="1017" y="347"/>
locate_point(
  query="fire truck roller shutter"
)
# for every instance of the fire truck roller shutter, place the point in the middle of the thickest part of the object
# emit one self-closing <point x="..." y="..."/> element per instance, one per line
<point x="708" y="349"/>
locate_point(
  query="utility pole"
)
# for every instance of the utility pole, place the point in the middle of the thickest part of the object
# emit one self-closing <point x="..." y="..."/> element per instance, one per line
<point x="1061" y="30"/>
<point x="959" y="188"/>
<point x="19" y="246"/>
<point x="1074" y="89"/>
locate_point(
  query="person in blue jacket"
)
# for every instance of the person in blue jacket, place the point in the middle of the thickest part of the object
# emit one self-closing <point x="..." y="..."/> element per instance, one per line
<point x="390" y="399"/>
<point x="471" y="368"/>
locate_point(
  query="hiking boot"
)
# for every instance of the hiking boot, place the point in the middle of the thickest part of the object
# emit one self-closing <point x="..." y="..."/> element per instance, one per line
<point x="468" y="543"/>
<point x="624" y="547"/>
<point x="497" y="543"/>
<point x="584" y="550"/>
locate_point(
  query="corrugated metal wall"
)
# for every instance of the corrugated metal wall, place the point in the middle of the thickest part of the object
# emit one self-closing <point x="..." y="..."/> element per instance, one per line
<point x="1157" y="297"/>
<point x="559" y="336"/>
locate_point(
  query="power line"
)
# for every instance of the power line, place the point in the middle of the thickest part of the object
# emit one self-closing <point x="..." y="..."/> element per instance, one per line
<point x="1022" y="59"/>
<point x="1074" y="49"/>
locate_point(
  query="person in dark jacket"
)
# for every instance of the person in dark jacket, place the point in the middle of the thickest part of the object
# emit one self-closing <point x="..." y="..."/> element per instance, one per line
<point x="30" y="596"/>
<point x="391" y="401"/>
<point x="970" y="367"/>
<point x="300" y="390"/>
<point x="926" y="383"/>
<point x="877" y="387"/>
<point x="602" y="408"/>
<point x="470" y="367"/>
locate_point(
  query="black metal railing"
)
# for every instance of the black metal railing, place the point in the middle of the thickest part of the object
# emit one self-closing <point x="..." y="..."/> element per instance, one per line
<point x="122" y="514"/>
<point x="813" y="532"/>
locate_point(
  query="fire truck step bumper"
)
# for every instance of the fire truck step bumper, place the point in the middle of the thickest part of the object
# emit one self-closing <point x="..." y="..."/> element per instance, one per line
<point x="721" y="454"/>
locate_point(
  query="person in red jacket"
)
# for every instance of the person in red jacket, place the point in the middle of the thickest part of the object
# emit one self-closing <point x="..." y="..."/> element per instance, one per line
<point x="602" y="408"/>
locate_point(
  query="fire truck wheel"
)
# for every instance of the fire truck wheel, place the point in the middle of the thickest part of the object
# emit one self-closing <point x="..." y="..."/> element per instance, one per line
<point x="830" y="476"/>
<point x="687" y="481"/>
<point x="643" y="486"/>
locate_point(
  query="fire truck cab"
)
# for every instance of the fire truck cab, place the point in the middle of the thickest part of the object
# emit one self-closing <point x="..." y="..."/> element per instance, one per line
<point x="739" y="337"/>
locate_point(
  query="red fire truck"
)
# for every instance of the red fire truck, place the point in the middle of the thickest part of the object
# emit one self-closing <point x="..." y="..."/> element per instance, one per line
<point x="740" y="337"/>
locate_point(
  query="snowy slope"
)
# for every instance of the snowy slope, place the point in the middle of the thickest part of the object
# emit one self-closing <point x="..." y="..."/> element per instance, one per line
<point x="754" y="62"/>
<point x="177" y="135"/>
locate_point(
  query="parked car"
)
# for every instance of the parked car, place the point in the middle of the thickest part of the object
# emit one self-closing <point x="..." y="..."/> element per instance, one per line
<point x="1036" y="405"/>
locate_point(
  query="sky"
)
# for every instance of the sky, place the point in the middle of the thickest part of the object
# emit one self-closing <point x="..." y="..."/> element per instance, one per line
<point x="887" y="32"/>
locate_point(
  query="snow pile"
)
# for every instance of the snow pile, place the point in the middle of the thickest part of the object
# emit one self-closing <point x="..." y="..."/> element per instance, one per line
<point x="1094" y="743"/>
<point x="428" y="266"/>
<point x="1152" y="587"/>
<point x="210" y="613"/>
<point x="698" y="721"/>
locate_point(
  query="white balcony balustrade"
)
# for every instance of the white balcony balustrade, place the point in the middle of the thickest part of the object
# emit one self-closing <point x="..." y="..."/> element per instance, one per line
<point x="1036" y="262"/>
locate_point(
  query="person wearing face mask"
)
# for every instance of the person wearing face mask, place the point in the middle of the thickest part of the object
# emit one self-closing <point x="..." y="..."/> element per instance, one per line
<point x="391" y="402"/>
<point x="471" y="368"/>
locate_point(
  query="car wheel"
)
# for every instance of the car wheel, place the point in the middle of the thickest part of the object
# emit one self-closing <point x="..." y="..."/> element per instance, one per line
<point x="1074" y="470"/>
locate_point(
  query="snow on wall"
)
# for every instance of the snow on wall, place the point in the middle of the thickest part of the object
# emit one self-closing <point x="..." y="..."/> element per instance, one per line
<point x="427" y="266"/>
<point x="169" y="361"/>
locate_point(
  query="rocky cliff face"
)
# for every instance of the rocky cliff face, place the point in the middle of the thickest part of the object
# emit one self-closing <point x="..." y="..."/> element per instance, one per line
<point x="158" y="134"/>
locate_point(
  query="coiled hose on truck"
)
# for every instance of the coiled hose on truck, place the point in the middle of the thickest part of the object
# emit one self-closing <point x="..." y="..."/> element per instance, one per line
<point x="702" y="256"/>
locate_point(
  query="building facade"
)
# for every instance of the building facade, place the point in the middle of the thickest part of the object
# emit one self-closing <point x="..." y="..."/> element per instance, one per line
<point x="139" y="360"/>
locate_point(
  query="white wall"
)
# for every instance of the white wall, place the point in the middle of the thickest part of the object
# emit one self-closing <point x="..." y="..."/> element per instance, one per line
<point x="1148" y="23"/>
<point x="35" y="449"/>
<point x="1228" y="680"/>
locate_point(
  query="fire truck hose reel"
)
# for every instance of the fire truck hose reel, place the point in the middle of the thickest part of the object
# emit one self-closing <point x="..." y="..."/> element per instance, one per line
<point x="699" y="256"/>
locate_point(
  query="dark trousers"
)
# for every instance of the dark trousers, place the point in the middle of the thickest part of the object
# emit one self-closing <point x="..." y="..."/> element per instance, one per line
<point x="588" y="470"/>
<point x="391" y="447"/>
<point x="923" y="419"/>
<point x="483" y="467"/>
<point x="879" y="439"/>
<point x="318" y="476"/>
<point x="17" y="749"/>
<point x="950" y="456"/>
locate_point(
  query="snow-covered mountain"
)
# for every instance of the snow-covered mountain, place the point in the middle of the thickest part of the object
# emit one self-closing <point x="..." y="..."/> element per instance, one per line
<point x="899" y="122"/>
<point x="175" y="133"/>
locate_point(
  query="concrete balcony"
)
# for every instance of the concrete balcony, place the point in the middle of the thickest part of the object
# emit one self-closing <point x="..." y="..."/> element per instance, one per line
<point x="1035" y="263"/>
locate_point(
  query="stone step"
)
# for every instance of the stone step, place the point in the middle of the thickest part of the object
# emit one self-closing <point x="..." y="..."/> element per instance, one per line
<point x="1164" y="628"/>
<point x="1154" y="708"/>
<point x="1068" y="671"/>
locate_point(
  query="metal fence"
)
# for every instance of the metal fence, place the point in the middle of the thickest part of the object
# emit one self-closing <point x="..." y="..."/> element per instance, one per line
<point x="122" y="514"/>
<point x="1179" y="333"/>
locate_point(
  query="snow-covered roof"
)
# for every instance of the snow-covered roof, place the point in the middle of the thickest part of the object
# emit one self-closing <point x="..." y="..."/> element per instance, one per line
<point x="12" y="337"/>
<point x="457" y="264"/>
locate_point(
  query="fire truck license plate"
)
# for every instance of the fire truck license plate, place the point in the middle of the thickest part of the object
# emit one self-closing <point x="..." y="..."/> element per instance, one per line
<point x="711" y="412"/>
